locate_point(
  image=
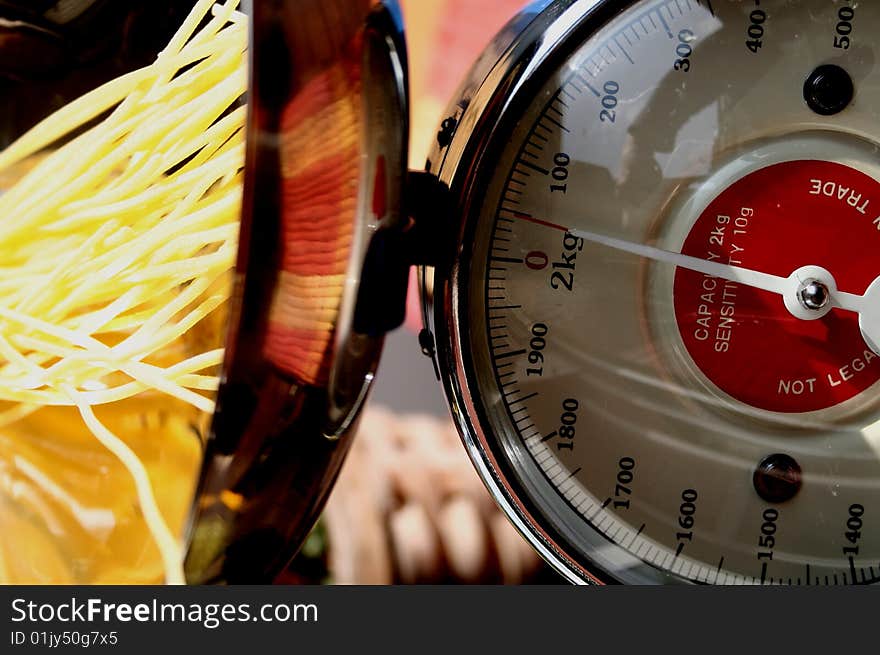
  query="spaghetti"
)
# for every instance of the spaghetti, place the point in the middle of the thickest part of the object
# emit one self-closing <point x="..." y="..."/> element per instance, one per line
<point x="118" y="245"/>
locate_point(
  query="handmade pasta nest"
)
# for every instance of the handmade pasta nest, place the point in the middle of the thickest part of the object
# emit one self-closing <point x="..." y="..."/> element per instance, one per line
<point x="116" y="252"/>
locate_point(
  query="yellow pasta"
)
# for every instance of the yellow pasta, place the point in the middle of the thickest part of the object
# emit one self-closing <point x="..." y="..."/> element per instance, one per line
<point x="117" y="245"/>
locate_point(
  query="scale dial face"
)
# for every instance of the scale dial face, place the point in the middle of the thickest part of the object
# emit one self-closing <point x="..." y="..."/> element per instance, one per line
<point x="654" y="421"/>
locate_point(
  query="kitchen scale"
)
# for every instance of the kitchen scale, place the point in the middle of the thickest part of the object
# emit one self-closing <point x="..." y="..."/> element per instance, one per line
<point x="643" y="415"/>
<point x="646" y="239"/>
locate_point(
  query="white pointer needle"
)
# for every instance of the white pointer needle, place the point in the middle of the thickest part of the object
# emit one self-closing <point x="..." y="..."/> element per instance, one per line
<point x="756" y="279"/>
<point x="867" y="306"/>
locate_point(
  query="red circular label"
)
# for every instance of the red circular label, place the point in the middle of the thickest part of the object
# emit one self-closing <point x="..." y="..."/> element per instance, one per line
<point x="777" y="220"/>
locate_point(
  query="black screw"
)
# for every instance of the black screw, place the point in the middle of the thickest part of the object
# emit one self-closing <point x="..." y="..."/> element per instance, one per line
<point x="777" y="478"/>
<point x="447" y="130"/>
<point x="829" y="90"/>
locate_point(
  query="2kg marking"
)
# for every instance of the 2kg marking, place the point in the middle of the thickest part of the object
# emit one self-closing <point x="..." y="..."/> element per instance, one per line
<point x="564" y="270"/>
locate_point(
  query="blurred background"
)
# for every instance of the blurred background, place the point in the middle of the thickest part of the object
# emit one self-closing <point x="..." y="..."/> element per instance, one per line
<point x="409" y="507"/>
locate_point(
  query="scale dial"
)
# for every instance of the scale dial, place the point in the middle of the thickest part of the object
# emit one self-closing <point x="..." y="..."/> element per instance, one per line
<point x="640" y="419"/>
